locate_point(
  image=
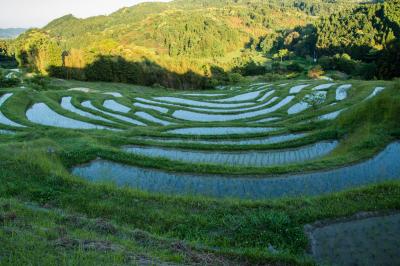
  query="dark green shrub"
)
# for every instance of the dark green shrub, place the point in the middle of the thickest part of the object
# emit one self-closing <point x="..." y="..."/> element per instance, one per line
<point x="8" y="82"/>
<point x="325" y="62"/>
<point x="337" y="75"/>
<point x="273" y="77"/>
<point x="158" y="86"/>
<point x="367" y="70"/>
<point x="344" y="63"/>
<point x="296" y="67"/>
<point x="253" y="69"/>
<point x="235" y="78"/>
<point x="276" y="66"/>
<point x="39" y="83"/>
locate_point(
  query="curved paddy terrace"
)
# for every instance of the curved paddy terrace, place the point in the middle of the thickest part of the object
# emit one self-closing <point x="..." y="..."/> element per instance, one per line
<point x="246" y="168"/>
<point x="385" y="166"/>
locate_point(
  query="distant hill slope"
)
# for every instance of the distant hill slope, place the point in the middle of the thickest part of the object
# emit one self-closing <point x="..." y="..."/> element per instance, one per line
<point x="11" y="33"/>
<point x="171" y="27"/>
<point x="179" y="43"/>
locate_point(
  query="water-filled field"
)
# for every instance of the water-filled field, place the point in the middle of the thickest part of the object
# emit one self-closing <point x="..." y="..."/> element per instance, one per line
<point x="359" y="241"/>
<point x="385" y="166"/>
<point x="251" y="142"/>
<point x="256" y="126"/>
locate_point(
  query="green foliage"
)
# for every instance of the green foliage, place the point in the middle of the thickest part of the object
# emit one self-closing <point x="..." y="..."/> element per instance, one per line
<point x="282" y="53"/>
<point x="185" y="40"/>
<point x="7" y="58"/>
<point x="268" y="42"/>
<point x="367" y="70"/>
<point x="359" y="32"/>
<point x="4" y="48"/>
<point x="340" y="62"/>
<point x="368" y="33"/>
<point x="235" y="78"/>
<point x="40" y="83"/>
<point x="388" y="65"/>
<point x="37" y="51"/>
<point x="194" y="34"/>
<point x="274" y="77"/>
<point x="296" y="67"/>
<point x="299" y="41"/>
<point x="6" y="82"/>
<point x="252" y="69"/>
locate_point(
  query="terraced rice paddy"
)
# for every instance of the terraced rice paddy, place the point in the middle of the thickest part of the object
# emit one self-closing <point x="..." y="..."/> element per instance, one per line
<point x="304" y="105"/>
<point x="67" y="105"/>
<point x="250" y="142"/>
<point x="239" y="110"/>
<point x="248" y="158"/>
<point x="3" y="119"/>
<point x="41" y="114"/>
<point x="243" y="127"/>
<point x="151" y="107"/>
<point x="201" y="117"/>
<point x="6" y="132"/>
<point x="342" y="91"/>
<point x="268" y="119"/>
<point x="89" y="105"/>
<point x="220" y="130"/>
<point x="376" y="91"/>
<point x="323" y="86"/>
<point x="331" y="116"/>
<point x="189" y="102"/>
<point x="242" y="97"/>
<point x="358" y="241"/>
<point x="204" y="94"/>
<point x="385" y="166"/>
<point x="153" y="119"/>
<point x="115" y="94"/>
<point x="116" y="107"/>
<point x="261" y="100"/>
<point x="298" y="88"/>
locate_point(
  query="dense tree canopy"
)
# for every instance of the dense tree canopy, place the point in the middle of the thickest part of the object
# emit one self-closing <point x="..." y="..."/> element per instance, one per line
<point x="37" y="51"/>
<point x="360" y="32"/>
<point x="181" y="42"/>
<point x="369" y="33"/>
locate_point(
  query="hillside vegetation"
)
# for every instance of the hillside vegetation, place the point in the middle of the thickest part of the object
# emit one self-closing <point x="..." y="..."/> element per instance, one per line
<point x="198" y="44"/>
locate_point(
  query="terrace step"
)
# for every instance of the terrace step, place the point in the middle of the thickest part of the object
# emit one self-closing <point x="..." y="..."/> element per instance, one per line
<point x="384" y="166"/>
<point x="245" y="158"/>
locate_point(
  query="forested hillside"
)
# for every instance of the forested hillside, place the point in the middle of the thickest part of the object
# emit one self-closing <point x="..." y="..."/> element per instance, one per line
<point x="368" y="33"/>
<point x="193" y="43"/>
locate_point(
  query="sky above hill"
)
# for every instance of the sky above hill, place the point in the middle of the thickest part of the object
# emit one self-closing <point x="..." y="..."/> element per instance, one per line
<point x="37" y="13"/>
